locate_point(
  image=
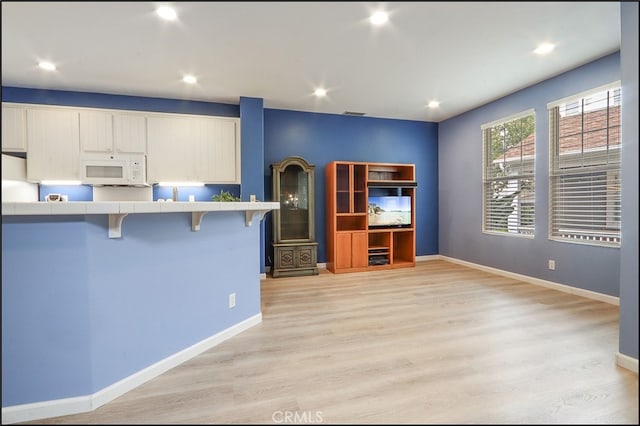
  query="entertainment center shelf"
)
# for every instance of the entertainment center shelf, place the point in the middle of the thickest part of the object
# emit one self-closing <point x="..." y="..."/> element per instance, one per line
<point x="370" y="216"/>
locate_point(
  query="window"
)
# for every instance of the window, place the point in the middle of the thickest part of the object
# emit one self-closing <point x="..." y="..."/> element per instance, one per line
<point x="585" y="167"/>
<point x="508" y="175"/>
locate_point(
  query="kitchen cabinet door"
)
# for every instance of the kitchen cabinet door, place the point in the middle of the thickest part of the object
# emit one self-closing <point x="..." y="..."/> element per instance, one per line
<point x="96" y="132"/>
<point x="171" y="149"/>
<point x="193" y="149"/>
<point x="129" y="133"/>
<point x="218" y="150"/>
<point x="109" y="132"/>
<point x="14" y="128"/>
<point x="53" y="144"/>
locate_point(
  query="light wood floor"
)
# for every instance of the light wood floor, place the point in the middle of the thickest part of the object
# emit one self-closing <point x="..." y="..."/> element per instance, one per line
<point x="438" y="343"/>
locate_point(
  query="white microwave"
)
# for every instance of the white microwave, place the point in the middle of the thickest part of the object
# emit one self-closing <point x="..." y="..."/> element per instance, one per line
<point x="112" y="169"/>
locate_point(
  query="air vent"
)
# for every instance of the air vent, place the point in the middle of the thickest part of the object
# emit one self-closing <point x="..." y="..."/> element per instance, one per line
<point x="360" y="114"/>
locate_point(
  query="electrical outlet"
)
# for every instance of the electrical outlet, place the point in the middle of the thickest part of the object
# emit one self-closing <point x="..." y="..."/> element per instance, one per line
<point x="552" y="264"/>
<point x="232" y="300"/>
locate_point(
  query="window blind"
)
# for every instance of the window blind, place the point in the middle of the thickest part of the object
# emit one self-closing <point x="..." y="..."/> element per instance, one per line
<point x="508" y="175"/>
<point x="585" y="168"/>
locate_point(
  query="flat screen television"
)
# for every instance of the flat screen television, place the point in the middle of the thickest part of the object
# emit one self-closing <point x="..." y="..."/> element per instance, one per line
<point x="389" y="211"/>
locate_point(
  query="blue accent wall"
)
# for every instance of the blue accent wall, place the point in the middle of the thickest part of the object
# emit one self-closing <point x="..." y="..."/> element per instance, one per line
<point x="201" y="193"/>
<point x="252" y="122"/>
<point x="73" y="192"/>
<point x="252" y="127"/>
<point x="102" y="100"/>
<point x="629" y="251"/>
<point x="81" y="311"/>
<point x="85" y="192"/>
<point x="322" y="138"/>
<point x="460" y="201"/>
<point x="46" y="332"/>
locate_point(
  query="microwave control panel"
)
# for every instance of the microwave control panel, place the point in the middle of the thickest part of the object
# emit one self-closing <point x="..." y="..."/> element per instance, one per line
<point x="137" y="171"/>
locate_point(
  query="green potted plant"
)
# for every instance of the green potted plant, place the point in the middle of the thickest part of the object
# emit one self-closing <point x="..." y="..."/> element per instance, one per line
<point x="224" y="196"/>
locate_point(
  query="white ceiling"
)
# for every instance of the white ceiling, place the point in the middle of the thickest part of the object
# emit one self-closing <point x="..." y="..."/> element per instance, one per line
<point x="463" y="54"/>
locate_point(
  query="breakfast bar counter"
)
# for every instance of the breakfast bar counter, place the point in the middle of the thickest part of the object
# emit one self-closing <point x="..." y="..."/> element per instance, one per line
<point x="99" y="297"/>
<point x="118" y="210"/>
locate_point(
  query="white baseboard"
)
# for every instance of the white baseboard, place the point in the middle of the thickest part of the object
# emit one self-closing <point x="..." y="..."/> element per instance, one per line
<point x="428" y="257"/>
<point x="625" y="361"/>
<point x="537" y="281"/>
<point x="83" y="404"/>
<point x="46" y="409"/>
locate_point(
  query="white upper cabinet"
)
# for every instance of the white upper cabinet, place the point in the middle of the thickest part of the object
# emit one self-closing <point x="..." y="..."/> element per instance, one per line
<point x="219" y="151"/>
<point x="179" y="147"/>
<point x="96" y="131"/>
<point x="54" y="144"/>
<point x="129" y="133"/>
<point x="112" y="133"/>
<point x="14" y="128"/>
<point x="170" y="149"/>
<point x="193" y="149"/>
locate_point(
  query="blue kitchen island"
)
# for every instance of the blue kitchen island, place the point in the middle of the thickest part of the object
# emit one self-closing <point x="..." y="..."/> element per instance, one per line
<point x="100" y="297"/>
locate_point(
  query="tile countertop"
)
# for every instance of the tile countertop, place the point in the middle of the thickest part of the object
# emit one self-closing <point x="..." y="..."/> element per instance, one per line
<point x="118" y="210"/>
<point x="126" y="207"/>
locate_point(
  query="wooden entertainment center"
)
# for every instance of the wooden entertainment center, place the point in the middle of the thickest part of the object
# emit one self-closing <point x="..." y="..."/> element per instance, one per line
<point x="362" y="236"/>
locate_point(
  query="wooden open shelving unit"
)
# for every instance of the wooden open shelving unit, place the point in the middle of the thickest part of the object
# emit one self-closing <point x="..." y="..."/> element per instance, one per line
<point x="352" y="245"/>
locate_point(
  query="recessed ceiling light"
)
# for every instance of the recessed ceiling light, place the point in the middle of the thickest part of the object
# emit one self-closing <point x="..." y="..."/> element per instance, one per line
<point x="320" y="92"/>
<point x="379" y="18"/>
<point x="190" y="79"/>
<point x="433" y="104"/>
<point x="47" y="66"/>
<point x="166" y="12"/>
<point x="544" y="48"/>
